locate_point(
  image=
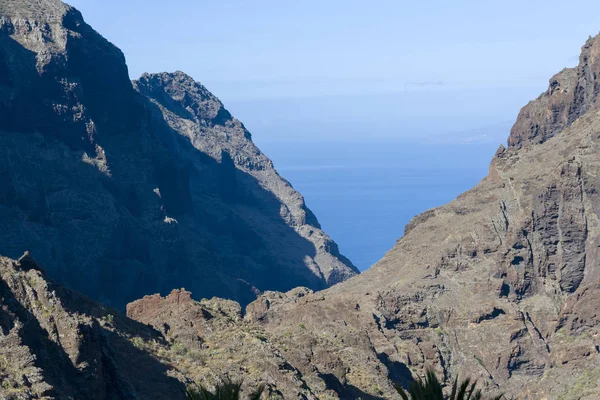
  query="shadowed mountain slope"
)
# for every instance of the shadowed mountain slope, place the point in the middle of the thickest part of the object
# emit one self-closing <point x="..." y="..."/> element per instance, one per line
<point x="124" y="189"/>
<point x="56" y="344"/>
<point x="149" y="186"/>
<point x="500" y="285"/>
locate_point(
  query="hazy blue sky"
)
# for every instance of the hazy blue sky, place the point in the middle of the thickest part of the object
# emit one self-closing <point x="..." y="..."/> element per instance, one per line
<point x="349" y="98"/>
<point x="473" y="61"/>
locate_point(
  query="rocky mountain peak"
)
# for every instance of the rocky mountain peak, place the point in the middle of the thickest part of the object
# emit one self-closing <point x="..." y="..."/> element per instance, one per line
<point x="183" y="95"/>
<point x="62" y="77"/>
<point x="571" y="93"/>
<point x="35" y="9"/>
<point x="122" y="189"/>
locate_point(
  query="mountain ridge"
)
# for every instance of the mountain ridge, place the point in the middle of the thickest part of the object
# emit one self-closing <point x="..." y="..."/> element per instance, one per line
<point x="104" y="184"/>
<point x="571" y="93"/>
<point x="500" y="284"/>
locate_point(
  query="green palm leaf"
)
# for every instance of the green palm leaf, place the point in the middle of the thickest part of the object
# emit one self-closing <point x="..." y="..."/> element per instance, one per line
<point x="225" y="391"/>
<point x="431" y="389"/>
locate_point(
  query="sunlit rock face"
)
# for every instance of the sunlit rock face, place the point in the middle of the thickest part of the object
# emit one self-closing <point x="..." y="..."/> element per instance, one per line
<point x="122" y="189"/>
<point x="500" y="285"/>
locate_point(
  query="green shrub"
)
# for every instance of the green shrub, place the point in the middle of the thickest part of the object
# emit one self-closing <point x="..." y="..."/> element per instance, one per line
<point x="179" y="349"/>
<point x="138" y="342"/>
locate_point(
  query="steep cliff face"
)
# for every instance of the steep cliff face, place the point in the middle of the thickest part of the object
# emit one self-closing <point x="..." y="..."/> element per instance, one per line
<point x="124" y="189"/>
<point x="149" y="186"/>
<point x="57" y="344"/>
<point x="500" y="285"/>
<point x="571" y="93"/>
<point x="246" y="179"/>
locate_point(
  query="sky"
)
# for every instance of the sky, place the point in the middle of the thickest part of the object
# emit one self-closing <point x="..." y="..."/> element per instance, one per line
<point x="375" y="110"/>
<point x="336" y="68"/>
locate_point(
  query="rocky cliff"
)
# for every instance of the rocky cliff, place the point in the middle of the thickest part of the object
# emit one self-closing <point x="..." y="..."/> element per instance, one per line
<point x="501" y="285"/>
<point x="56" y="344"/>
<point x="153" y="185"/>
<point x="571" y="93"/>
<point x="122" y="189"/>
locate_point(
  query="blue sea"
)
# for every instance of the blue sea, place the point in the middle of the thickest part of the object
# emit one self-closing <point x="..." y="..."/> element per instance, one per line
<point x="367" y="165"/>
<point x="365" y="191"/>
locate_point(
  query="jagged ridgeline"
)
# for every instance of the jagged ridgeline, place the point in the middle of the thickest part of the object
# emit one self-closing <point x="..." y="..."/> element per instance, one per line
<point x="122" y="189"/>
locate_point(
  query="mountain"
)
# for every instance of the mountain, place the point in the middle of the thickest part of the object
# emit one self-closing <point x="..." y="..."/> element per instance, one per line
<point x="124" y="188"/>
<point x="501" y="285"/>
<point x="57" y="344"/>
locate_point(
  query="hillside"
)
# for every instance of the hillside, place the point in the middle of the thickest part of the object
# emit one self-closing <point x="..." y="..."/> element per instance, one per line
<point x="500" y="284"/>
<point x="122" y="189"/>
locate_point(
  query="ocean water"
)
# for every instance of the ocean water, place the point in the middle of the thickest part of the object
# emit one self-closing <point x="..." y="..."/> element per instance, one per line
<point x="368" y="164"/>
<point x="364" y="192"/>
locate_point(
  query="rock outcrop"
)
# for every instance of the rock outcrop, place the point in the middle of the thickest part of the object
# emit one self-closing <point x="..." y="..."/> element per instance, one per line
<point x="501" y="284"/>
<point x="122" y="189"/>
<point x="571" y="93"/>
<point x="56" y="344"/>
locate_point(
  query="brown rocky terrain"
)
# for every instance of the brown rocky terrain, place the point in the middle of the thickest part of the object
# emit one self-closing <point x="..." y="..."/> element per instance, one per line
<point x="571" y="93"/>
<point x="122" y="189"/>
<point x="152" y="185"/>
<point x="56" y="344"/>
<point x="500" y="284"/>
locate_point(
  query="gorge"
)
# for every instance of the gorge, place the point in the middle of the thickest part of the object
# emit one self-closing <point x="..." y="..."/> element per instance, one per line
<point x="119" y="190"/>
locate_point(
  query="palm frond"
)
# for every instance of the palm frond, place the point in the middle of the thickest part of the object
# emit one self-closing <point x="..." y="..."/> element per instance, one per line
<point x="432" y="389"/>
<point x="454" y="387"/>
<point x="225" y="391"/>
<point x="257" y="393"/>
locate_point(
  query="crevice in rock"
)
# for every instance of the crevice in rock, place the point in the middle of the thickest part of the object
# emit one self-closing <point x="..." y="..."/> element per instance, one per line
<point x="495" y="313"/>
<point x="536" y="330"/>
